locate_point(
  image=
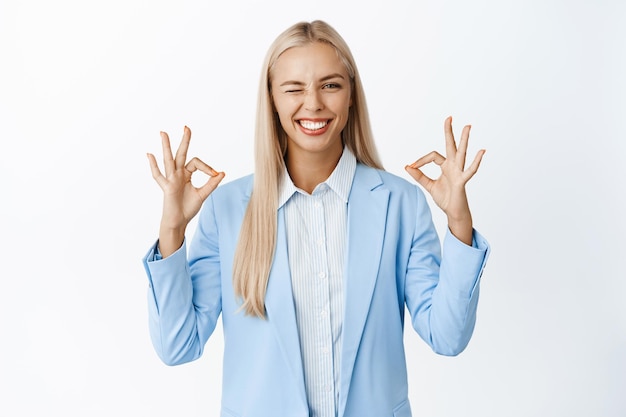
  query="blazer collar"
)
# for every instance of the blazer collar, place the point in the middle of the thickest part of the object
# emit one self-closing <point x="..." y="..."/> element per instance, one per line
<point x="280" y="309"/>
<point x="367" y="218"/>
<point x="279" y="305"/>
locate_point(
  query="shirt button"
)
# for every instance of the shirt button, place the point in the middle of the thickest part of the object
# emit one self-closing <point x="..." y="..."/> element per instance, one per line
<point x="322" y="275"/>
<point x="325" y="350"/>
<point x="323" y="313"/>
<point x="317" y="204"/>
<point x="328" y="388"/>
<point x="319" y="242"/>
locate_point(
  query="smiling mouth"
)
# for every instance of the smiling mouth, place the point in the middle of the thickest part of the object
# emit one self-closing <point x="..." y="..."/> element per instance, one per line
<point x="313" y="125"/>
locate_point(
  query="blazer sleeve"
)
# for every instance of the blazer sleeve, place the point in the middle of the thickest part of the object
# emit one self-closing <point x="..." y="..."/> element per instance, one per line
<point x="441" y="292"/>
<point x="184" y="296"/>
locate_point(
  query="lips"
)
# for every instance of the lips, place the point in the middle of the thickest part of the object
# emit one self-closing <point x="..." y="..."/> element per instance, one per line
<point x="314" y="127"/>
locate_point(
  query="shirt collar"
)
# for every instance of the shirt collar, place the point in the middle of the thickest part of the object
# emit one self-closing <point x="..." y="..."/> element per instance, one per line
<point x="340" y="180"/>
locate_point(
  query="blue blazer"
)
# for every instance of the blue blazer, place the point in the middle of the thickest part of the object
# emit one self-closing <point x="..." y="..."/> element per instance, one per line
<point x="393" y="261"/>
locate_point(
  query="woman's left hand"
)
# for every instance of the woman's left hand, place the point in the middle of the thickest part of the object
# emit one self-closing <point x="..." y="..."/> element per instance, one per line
<point x="448" y="191"/>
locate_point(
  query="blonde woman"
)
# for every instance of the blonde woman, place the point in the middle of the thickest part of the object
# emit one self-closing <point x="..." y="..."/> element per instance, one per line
<point x="312" y="260"/>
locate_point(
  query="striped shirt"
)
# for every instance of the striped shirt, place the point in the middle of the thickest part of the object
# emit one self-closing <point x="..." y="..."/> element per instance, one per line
<point x="316" y="227"/>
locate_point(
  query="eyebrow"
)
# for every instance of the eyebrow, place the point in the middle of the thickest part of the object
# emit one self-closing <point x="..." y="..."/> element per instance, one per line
<point x="326" y="78"/>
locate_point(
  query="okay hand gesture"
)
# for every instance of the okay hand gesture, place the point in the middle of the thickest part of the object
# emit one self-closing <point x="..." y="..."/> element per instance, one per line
<point x="181" y="199"/>
<point x="448" y="191"/>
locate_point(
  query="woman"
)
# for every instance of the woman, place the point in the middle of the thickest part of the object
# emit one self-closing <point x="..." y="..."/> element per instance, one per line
<point x="312" y="260"/>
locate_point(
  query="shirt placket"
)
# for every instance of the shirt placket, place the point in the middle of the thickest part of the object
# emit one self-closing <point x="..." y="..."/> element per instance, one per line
<point x="320" y="274"/>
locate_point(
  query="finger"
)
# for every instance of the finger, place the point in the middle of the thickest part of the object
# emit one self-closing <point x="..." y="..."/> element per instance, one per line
<point x="420" y="177"/>
<point x="433" y="156"/>
<point x="156" y="172"/>
<point x="196" y="164"/>
<point x="181" y="152"/>
<point x="168" y="160"/>
<point x="211" y="185"/>
<point x="473" y="168"/>
<point x="450" y="144"/>
<point x="462" y="149"/>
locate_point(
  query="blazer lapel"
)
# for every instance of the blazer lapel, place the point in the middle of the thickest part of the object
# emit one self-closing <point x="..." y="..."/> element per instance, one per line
<point x="281" y="312"/>
<point x="367" y="217"/>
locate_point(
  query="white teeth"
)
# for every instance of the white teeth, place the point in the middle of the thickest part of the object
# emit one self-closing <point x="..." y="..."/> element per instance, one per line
<point x="309" y="125"/>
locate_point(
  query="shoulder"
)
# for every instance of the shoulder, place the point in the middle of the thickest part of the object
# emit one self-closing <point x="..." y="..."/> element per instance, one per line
<point x="226" y="205"/>
<point x="230" y="197"/>
<point x="395" y="182"/>
<point x="380" y="178"/>
<point x="238" y="188"/>
<point x="403" y="194"/>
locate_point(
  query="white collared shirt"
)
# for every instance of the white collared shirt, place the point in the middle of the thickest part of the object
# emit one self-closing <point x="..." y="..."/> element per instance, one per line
<point x="316" y="227"/>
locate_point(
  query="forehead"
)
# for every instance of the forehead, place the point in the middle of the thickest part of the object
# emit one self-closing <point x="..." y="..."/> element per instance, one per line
<point x="313" y="60"/>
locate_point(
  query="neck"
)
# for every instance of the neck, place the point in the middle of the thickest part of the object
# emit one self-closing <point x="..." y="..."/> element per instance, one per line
<point x="308" y="170"/>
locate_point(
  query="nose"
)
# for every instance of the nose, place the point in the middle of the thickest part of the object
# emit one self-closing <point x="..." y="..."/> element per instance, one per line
<point x="312" y="100"/>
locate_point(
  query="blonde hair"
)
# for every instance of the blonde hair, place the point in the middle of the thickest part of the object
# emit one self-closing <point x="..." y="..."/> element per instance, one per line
<point x="257" y="238"/>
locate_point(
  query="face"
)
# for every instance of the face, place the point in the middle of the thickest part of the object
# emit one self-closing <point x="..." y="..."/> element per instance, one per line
<point x="311" y="93"/>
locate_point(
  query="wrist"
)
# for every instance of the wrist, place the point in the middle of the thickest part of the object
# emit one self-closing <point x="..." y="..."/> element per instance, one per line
<point x="462" y="229"/>
<point x="170" y="240"/>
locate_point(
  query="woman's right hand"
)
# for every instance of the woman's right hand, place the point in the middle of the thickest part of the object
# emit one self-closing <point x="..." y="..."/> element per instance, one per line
<point x="181" y="200"/>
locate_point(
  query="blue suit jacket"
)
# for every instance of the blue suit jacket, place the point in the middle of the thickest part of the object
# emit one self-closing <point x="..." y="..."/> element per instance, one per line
<point x="393" y="260"/>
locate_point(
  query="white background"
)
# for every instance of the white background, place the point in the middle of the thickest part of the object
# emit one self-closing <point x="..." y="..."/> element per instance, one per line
<point x="85" y="88"/>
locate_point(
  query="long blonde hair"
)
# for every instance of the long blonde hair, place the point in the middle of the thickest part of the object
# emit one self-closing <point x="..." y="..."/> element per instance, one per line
<point x="257" y="238"/>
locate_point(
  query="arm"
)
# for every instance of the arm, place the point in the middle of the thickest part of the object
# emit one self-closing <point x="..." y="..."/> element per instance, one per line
<point x="441" y="293"/>
<point x="183" y="303"/>
<point x="184" y="298"/>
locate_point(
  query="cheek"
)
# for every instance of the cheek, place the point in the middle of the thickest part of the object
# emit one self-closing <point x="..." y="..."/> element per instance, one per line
<point x="342" y="105"/>
<point x="342" y="101"/>
<point x="284" y="117"/>
<point x="285" y="110"/>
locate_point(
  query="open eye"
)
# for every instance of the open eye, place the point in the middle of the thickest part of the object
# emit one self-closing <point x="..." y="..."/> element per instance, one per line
<point x="331" y="86"/>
